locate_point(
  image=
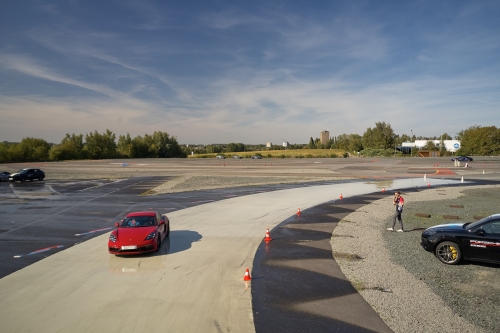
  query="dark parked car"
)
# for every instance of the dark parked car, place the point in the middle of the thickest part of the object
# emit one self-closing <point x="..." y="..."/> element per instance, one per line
<point x="237" y="157"/>
<point x="27" y="174"/>
<point x="462" y="159"/>
<point x="4" y="176"/>
<point x="471" y="241"/>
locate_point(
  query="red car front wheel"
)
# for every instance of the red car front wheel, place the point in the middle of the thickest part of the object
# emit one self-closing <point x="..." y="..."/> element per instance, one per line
<point x="158" y="243"/>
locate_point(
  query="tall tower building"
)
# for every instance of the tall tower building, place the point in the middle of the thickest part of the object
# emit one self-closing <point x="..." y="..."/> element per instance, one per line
<point x="324" y="136"/>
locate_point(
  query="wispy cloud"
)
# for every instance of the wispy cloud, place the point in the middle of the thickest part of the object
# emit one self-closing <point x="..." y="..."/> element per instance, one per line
<point x="28" y="66"/>
<point x="232" y="18"/>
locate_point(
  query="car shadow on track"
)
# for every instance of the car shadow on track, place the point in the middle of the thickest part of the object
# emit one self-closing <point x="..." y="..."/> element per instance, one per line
<point x="178" y="241"/>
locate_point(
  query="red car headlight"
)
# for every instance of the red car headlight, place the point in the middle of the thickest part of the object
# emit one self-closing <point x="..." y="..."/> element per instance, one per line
<point x="150" y="236"/>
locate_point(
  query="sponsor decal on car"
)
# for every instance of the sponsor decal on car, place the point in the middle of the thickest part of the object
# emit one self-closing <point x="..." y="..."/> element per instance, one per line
<point x="483" y="244"/>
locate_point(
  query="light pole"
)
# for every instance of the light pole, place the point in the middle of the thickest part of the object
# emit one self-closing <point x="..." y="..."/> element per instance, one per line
<point x="411" y="147"/>
<point x="394" y="145"/>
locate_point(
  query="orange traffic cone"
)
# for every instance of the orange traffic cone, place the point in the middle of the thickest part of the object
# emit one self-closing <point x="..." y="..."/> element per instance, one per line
<point x="298" y="211"/>
<point x="383" y="190"/>
<point x="428" y="184"/>
<point x="247" y="275"/>
<point x="341" y="196"/>
<point x="268" y="236"/>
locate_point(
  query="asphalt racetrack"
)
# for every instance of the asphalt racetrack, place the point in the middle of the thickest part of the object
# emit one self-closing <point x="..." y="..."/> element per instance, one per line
<point x="194" y="284"/>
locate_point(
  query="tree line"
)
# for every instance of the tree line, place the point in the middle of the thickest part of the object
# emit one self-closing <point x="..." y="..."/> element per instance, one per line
<point x="478" y="140"/>
<point x="381" y="139"/>
<point x="93" y="145"/>
<point x="381" y="136"/>
<point x="234" y="147"/>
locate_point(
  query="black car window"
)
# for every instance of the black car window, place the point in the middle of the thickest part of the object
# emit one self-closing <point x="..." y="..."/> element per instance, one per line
<point x="491" y="228"/>
<point x="22" y="171"/>
<point x="138" y="221"/>
<point x="475" y="224"/>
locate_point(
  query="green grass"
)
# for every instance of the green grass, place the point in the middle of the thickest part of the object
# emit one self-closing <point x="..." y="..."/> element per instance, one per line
<point x="289" y="153"/>
<point x="480" y="202"/>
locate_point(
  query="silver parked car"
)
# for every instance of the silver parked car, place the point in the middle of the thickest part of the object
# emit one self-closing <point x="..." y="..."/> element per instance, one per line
<point x="220" y="157"/>
<point x="4" y="176"/>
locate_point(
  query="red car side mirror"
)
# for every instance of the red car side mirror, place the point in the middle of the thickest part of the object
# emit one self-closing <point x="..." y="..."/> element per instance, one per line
<point x="117" y="224"/>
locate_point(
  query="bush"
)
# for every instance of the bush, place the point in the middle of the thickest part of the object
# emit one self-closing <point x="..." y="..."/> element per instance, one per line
<point x="370" y="152"/>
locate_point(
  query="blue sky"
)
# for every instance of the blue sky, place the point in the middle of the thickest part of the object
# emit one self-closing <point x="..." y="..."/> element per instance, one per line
<point x="247" y="71"/>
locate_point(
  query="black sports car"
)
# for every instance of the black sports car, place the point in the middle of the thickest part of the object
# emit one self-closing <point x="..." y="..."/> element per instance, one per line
<point x="27" y="174"/>
<point x="462" y="159"/>
<point x="471" y="241"/>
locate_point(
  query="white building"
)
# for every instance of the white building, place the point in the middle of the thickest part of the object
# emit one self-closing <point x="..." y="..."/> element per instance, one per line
<point x="269" y="145"/>
<point x="450" y="145"/>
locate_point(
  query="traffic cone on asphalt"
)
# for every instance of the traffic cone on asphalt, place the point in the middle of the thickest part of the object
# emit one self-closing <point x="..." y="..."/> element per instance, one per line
<point x="428" y="184"/>
<point x="268" y="236"/>
<point x="298" y="211"/>
<point x="341" y="196"/>
<point x="383" y="190"/>
<point x="247" y="275"/>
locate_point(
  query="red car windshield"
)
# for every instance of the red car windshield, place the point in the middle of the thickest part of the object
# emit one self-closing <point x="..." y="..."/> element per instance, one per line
<point x="138" y="221"/>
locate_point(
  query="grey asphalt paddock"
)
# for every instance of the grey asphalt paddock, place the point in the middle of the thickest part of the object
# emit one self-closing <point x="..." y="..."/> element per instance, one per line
<point x="53" y="242"/>
<point x="196" y="287"/>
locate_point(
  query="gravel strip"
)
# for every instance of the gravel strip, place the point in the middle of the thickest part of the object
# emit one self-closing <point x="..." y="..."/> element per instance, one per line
<point x="424" y="295"/>
<point x="195" y="183"/>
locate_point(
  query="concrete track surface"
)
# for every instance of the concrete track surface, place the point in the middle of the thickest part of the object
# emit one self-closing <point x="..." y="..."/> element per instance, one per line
<point x="194" y="284"/>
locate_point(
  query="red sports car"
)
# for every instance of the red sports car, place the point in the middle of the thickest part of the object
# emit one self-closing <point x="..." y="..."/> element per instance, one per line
<point x="139" y="232"/>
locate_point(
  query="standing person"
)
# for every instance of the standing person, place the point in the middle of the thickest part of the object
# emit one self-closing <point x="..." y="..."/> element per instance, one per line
<point x="399" y="203"/>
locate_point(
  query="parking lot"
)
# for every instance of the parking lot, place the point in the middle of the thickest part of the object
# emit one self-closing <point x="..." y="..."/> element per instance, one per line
<point x="47" y="219"/>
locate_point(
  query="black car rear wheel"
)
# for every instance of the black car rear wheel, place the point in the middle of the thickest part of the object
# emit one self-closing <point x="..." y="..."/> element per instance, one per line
<point x="23" y="179"/>
<point x="448" y="252"/>
<point x="40" y="178"/>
